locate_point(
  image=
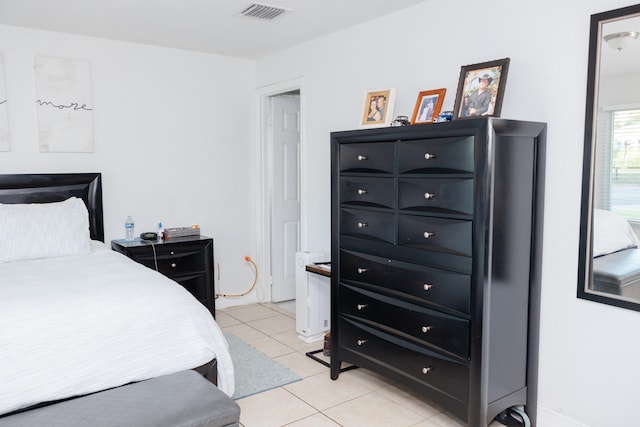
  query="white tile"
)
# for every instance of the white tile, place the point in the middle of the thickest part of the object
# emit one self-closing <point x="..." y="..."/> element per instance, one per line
<point x="372" y="410"/>
<point x="244" y="332"/>
<point x="271" y="347"/>
<point x="426" y="423"/>
<point x="291" y="339"/>
<point x="369" y="378"/>
<point x="274" y="324"/>
<point x="411" y="401"/>
<point x="248" y="313"/>
<point x="273" y="408"/>
<point x="446" y="420"/>
<point x="317" y="420"/>
<point x="321" y="392"/>
<point x="302" y="365"/>
<point x="223" y="319"/>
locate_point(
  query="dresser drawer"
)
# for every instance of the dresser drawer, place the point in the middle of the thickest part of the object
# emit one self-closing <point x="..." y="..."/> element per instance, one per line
<point x="376" y="192"/>
<point x="417" y="283"/>
<point x="435" y="234"/>
<point x="368" y="225"/>
<point x="430" y="327"/>
<point x="375" y="157"/>
<point x="436" y="195"/>
<point x="414" y="362"/>
<point x="438" y="155"/>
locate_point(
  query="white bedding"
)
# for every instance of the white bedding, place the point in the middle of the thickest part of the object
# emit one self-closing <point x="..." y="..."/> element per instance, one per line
<point x="75" y="325"/>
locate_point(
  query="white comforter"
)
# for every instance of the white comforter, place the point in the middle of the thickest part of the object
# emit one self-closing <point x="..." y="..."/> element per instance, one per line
<point x="76" y="325"/>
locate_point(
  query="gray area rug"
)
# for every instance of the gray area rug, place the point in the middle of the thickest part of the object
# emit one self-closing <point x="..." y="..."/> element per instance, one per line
<point x="255" y="372"/>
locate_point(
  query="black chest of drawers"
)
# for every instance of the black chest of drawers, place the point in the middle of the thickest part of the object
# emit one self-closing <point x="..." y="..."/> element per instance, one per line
<point x="186" y="260"/>
<point x="436" y="240"/>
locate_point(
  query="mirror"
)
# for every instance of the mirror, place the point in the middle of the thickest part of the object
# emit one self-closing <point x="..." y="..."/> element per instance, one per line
<point x="609" y="257"/>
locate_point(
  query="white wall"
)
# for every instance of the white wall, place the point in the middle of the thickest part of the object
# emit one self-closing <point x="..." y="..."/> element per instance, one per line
<point x="588" y="351"/>
<point x="173" y="132"/>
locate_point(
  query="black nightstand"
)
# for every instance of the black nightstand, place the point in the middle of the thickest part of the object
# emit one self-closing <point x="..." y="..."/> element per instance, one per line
<point x="187" y="260"/>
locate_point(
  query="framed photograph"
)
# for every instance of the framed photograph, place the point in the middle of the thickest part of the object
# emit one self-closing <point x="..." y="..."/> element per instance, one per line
<point x="481" y="89"/>
<point x="428" y="106"/>
<point x="378" y="107"/>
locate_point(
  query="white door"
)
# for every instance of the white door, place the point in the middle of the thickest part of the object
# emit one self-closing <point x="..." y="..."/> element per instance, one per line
<point x="285" y="211"/>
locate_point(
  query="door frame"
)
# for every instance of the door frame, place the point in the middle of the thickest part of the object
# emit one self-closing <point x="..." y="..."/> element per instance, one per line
<point x="263" y="225"/>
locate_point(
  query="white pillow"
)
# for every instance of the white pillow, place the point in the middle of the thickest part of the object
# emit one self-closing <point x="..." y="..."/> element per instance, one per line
<point x="43" y="230"/>
<point x="611" y="233"/>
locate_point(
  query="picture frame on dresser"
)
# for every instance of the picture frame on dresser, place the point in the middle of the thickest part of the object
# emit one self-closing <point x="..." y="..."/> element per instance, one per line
<point x="378" y="107"/>
<point x="428" y="106"/>
<point x="481" y="89"/>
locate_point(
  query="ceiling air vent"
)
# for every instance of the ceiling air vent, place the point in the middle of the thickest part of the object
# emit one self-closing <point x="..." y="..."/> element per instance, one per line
<point x="263" y="11"/>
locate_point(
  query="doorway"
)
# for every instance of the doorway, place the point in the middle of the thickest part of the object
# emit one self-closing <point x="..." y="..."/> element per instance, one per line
<point x="281" y="225"/>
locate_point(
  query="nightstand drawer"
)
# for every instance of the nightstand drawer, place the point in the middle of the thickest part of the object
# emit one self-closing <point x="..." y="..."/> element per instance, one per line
<point x="196" y="284"/>
<point x="427" y="327"/>
<point x="175" y="264"/>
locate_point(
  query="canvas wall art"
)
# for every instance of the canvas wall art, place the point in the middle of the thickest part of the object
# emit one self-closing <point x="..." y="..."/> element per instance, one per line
<point x="64" y="106"/>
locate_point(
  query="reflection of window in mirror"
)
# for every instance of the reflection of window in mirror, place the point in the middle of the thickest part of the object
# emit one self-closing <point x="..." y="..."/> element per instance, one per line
<point x="617" y="172"/>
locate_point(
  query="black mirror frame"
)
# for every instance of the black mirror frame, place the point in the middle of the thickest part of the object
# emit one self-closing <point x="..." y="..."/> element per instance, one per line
<point x="585" y="258"/>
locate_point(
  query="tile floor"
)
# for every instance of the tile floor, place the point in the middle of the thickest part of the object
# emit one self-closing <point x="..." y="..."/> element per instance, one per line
<point x="358" y="398"/>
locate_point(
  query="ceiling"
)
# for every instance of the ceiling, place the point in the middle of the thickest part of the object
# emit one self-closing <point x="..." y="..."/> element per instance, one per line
<point x="212" y="26"/>
<point x="627" y="61"/>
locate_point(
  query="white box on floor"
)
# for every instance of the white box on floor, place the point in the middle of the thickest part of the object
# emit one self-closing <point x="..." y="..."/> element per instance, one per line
<point x="313" y="298"/>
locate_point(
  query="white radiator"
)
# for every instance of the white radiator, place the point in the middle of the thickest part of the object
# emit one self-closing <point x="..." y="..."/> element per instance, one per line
<point x="313" y="304"/>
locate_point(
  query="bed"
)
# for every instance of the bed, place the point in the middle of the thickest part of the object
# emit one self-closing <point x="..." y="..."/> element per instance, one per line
<point x="79" y="318"/>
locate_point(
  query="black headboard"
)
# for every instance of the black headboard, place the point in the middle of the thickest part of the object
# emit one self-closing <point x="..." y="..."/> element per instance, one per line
<point x="46" y="188"/>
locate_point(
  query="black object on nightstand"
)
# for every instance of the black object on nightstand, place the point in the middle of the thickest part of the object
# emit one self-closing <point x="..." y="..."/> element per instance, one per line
<point x="186" y="260"/>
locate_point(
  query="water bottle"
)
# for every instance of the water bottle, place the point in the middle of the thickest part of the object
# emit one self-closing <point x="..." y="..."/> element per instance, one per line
<point x="129" y="228"/>
<point x="160" y="230"/>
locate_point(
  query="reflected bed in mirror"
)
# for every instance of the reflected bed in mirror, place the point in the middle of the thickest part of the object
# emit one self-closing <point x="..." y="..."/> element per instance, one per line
<point x="609" y="263"/>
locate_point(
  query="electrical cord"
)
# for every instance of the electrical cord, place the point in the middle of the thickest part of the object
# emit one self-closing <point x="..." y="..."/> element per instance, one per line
<point x="253" y="285"/>
<point x="155" y="255"/>
<point x="514" y="417"/>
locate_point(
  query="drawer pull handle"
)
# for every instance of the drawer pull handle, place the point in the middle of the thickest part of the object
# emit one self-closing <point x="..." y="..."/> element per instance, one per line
<point x="428" y="234"/>
<point x="360" y="342"/>
<point x="173" y="264"/>
<point x="362" y="192"/>
<point x="427" y="286"/>
<point x="362" y="270"/>
<point x="427" y="370"/>
<point x="362" y="225"/>
<point x="362" y="157"/>
<point x="429" y="196"/>
<point x="361" y="306"/>
<point x="429" y="156"/>
<point x="426" y="329"/>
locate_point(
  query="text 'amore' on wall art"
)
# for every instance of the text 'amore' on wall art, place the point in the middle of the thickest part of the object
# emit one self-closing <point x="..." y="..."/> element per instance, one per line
<point x="63" y="102"/>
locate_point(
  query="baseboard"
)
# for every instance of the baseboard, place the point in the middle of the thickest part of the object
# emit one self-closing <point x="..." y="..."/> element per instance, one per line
<point x="550" y="418"/>
<point x="312" y="338"/>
